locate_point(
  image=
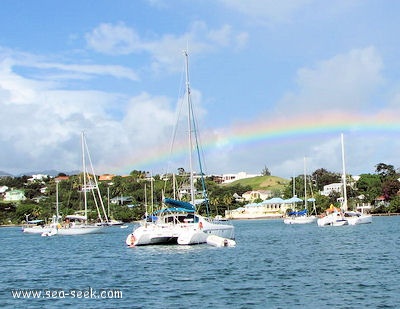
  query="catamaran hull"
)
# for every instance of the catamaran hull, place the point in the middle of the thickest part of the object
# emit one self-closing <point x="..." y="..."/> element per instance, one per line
<point x="363" y="219"/>
<point x="300" y="220"/>
<point x="182" y="234"/>
<point x="192" y="237"/>
<point x="331" y="221"/>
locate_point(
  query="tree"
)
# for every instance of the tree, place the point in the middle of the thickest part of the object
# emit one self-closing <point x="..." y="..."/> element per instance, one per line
<point x="265" y="171"/>
<point x="385" y="170"/>
<point x="322" y="177"/>
<point x="369" y="186"/>
<point x="390" y="188"/>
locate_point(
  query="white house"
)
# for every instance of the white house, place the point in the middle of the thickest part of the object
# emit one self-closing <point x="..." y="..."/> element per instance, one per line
<point x="38" y="177"/>
<point x="333" y="187"/>
<point x="228" y="178"/>
<point x="251" y="196"/>
<point x="14" y="196"/>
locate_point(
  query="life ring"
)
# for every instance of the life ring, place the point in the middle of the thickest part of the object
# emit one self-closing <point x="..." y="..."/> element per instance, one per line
<point x="200" y="225"/>
<point x="130" y="240"/>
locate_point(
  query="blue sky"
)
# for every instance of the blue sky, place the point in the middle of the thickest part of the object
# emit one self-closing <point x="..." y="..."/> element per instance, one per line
<point x="273" y="82"/>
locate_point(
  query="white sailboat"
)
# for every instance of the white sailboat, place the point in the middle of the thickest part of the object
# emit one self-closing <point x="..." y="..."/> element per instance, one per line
<point x="179" y="222"/>
<point x="301" y="217"/>
<point x="78" y="224"/>
<point x="334" y="216"/>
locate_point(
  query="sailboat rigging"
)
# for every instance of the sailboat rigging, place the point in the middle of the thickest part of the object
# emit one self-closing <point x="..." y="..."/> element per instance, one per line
<point x="301" y="217"/>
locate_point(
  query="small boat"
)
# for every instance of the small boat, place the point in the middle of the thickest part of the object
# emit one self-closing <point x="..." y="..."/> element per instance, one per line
<point x="218" y="241"/>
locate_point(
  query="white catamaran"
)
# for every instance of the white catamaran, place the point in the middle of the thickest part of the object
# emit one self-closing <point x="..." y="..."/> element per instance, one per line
<point x="179" y="221"/>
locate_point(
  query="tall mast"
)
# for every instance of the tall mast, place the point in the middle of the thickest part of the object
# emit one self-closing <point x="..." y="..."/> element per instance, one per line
<point x="305" y="184"/>
<point x="344" y="176"/>
<point x="84" y="173"/>
<point x="57" y="211"/>
<point x="189" y="106"/>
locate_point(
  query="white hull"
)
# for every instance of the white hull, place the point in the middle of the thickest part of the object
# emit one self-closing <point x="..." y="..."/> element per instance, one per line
<point x="359" y="219"/>
<point x="36" y="229"/>
<point x="181" y="233"/>
<point x="192" y="236"/>
<point x="79" y="230"/>
<point x="334" y="219"/>
<point x="52" y="232"/>
<point x="300" y="220"/>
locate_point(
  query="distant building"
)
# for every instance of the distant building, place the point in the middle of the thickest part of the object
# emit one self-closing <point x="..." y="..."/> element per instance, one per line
<point x="269" y="208"/>
<point x="106" y="177"/>
<point x="333" y="187"/>
<point x="61" y="178"/>
<point x="251" y="196"/>
<point x="14" y="196"/>
<point x="38" y="177"/>
<point x="228" y="178"/>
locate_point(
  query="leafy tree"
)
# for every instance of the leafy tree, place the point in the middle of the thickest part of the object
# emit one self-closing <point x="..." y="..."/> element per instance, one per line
<point x="321" y="177"/>
<point x="265" y="171"/>
<point x="385" y="170"/>
<point x="369" y="186"/>
<point x="394" y="206"/>
<point x="390" y="188"/>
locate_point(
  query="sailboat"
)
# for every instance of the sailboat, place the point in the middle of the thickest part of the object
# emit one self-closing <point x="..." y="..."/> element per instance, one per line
<point x="333" y="215"/>
<point x="352" y="217"/>
<point x="179" y="221"/>
<point x="301" y="217"/>
<point x="77" y="224"/>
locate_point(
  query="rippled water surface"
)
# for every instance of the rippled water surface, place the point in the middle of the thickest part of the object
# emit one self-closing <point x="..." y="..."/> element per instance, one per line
<point x="273" y="266"/>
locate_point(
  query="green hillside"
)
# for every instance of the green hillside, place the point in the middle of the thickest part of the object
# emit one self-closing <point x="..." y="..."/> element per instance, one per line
<point x="263" y="183"/>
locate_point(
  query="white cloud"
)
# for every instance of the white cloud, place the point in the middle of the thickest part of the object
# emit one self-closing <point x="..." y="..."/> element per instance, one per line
<point x="117" y="39"/>
<point x="346" y="81"/>
<point x="114" y="39"/>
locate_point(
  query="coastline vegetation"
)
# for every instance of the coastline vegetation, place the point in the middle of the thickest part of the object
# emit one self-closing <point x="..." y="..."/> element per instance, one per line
<point x="131" y="196"/>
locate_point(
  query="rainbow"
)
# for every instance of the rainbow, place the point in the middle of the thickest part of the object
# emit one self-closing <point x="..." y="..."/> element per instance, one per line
<point x="283" y="129"/>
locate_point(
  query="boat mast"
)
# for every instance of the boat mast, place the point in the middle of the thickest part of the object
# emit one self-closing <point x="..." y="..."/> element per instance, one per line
<point x="305" y="185"/>
<point x="344" y="177"/>
<point x="189" y="106"/>
<point x="57" y="212"/>
<point x="84" y="173"/>
<point x="294" y="185"/>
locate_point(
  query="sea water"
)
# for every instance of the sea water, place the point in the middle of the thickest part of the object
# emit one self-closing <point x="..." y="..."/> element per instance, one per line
<point x="272" y="266"/>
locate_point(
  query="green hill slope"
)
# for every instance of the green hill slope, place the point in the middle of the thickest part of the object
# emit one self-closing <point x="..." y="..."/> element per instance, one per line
<point x="263" y="183"/>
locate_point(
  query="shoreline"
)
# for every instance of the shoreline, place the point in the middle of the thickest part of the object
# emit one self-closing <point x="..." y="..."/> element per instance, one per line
<point x="233" y="219"/>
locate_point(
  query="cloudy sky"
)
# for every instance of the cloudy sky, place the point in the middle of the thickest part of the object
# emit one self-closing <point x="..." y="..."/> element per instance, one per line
<point x="272" y="81"/>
